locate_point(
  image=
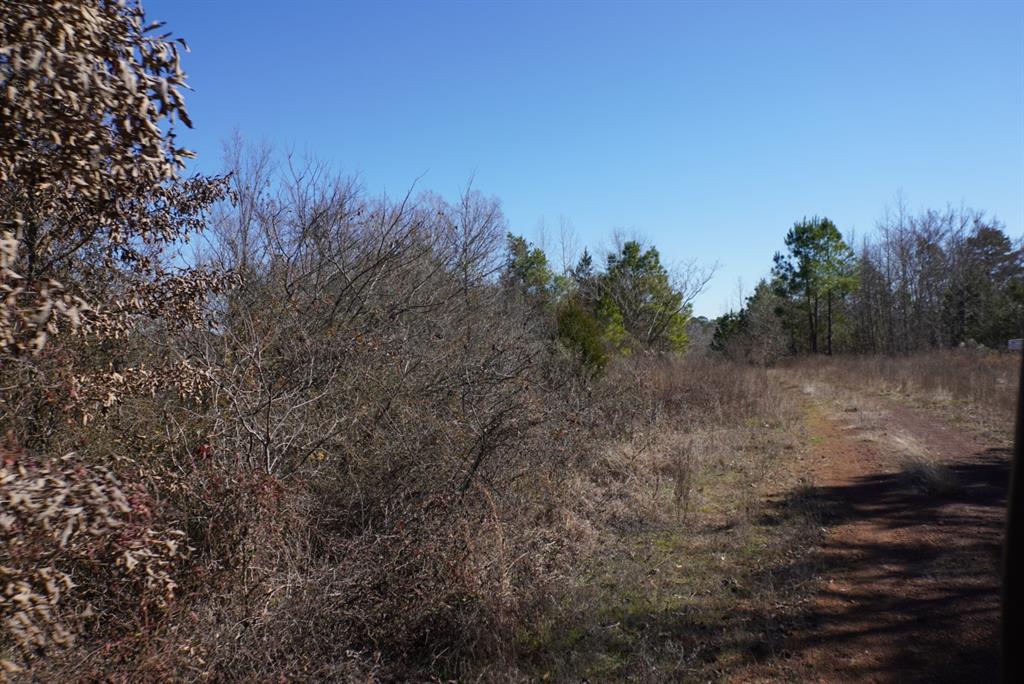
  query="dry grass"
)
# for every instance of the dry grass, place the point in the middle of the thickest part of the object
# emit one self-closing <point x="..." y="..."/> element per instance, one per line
<point x="690" y="573"/>
<point x="928" y="476"/>
<point x="977" y="388"/>
<point x="633" y="510"/>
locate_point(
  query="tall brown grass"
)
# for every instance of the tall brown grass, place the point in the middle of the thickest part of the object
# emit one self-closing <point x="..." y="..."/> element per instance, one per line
<point x="680" y="454"/>
<point x="980" y="380"/>
<point x="657" y="421"/>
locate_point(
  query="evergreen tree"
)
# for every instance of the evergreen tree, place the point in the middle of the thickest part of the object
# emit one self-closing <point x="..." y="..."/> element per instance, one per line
<point x="819" y="266"/>
<point x="638" y="303"/>
<point x="526" y="268"/>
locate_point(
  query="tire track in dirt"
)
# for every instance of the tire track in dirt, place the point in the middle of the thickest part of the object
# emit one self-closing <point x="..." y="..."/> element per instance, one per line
<point x="909" y="567"/>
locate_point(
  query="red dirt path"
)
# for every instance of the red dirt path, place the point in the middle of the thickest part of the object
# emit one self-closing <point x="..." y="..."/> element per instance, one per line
<point x="910" y="576"/>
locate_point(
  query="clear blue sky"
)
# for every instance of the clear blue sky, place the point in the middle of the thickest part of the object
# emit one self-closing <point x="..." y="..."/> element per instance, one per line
<point x="707" y="128"/>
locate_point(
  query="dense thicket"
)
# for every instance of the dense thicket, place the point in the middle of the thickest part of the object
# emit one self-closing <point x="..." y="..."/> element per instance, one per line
<point x="332" y="438"/>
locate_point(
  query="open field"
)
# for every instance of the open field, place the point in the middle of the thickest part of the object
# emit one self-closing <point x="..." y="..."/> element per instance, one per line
<point x="973" y="389"/>
<point x="856" y="540"/>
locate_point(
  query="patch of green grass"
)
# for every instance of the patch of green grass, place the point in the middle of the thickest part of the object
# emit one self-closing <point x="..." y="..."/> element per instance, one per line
<point x="683" y="601"/>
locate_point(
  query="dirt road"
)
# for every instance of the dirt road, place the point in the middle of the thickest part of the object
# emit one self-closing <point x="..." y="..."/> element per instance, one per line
<point x="909" y="567"/>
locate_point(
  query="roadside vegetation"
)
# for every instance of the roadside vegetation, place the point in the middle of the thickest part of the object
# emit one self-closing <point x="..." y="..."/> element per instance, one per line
<point x="690" y="580"/>
<point x="268" y="426"/>
<point x="975" y="388"/>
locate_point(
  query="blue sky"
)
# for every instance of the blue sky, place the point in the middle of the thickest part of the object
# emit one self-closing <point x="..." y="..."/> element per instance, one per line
<point x="707" y="128"/>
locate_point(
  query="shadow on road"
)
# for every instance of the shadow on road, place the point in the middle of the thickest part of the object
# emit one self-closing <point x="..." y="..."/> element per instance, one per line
<point x="903" y="587"/>
<point x="910" y="588"/>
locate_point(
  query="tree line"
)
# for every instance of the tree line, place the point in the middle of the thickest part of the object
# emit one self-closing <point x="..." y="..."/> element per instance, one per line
<point x="930" y="280"/>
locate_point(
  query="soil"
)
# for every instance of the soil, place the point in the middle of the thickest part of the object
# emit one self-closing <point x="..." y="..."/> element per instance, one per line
<point x="908" y="571"/>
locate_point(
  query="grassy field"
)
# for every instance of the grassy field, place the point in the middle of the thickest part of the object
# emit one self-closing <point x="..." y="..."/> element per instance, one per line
<point x="700" y="581"/>
<point x="718" y="582"/>
<point x="973" y="388"/>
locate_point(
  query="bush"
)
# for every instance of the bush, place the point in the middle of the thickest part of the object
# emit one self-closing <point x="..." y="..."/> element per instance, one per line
<point x="581" y="333"/>
<point x="331" y="446"/>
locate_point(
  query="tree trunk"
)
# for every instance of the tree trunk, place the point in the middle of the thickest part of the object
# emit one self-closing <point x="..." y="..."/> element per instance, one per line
<point x="812" y="322"/>
<point x="830" y="323"/>
<point x="31" y="243"/>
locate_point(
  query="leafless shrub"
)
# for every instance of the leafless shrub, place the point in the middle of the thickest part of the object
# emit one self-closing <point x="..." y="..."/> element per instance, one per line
<point x="685" y="465"/>
<point x="369" y="465"/>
